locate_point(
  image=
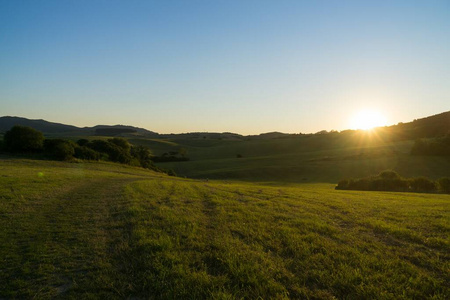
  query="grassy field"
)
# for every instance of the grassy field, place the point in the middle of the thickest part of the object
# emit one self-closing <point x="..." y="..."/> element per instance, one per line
<point x="296" y="159"/>
<point x="102" y="230"/>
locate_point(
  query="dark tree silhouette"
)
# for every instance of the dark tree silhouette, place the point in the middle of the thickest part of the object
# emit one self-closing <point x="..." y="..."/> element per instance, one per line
<point x="59" y="149"/>
<point x="121" y="142"/>
<point x="23" y="139"/>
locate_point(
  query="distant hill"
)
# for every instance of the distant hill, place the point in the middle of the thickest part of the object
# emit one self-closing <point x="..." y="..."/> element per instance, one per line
<point x="271" y="135"/>
<point x="44" y="126"/>
<point x="112" y="130"/>
<point x="428" y="127"/>
<point x="62" y="129"/>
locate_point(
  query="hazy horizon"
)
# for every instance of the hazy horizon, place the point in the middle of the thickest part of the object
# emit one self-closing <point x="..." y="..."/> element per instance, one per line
<point x="186" y="132"/>
<point x="227" y="66"/>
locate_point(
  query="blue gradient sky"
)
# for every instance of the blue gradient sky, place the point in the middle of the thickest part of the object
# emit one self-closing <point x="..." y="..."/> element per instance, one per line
<point x="239" y="66"/>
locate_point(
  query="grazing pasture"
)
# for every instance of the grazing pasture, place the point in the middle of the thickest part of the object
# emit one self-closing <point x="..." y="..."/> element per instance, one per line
<point x="102" y="230"/>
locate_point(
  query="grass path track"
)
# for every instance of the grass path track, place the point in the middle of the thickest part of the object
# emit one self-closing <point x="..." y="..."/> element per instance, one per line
<point x="72" y="233"/>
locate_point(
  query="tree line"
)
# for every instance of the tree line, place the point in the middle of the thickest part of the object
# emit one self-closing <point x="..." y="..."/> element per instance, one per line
<point x="391" y="181"/>
<point x="27" y="140"/>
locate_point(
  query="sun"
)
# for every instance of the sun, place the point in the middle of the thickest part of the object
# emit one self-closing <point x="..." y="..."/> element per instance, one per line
<point x="367" y="119"/>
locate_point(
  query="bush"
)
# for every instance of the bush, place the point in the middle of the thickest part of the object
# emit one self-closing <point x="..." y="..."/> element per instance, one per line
<point x="389" y="174"/>
<point x="121" y="143"/>
<point x="143" y="155"/>
<point x="115" y="153"/>
<point x="59" y="149"/>
<point x="391" y="181"/>
<point x="23" y="139"/>
<point x="422" y="185"/>
<point x="343" y="184"/>
<point x="86" y="153"/>
<point x="444" y="185"/>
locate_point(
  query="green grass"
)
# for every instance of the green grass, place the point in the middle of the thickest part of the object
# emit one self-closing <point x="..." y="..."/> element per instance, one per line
<point x="298" y="160"/>
<point x="101" y="230"/>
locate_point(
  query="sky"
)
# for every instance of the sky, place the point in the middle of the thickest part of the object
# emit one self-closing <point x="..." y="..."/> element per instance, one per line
<point x="224" y="66"/>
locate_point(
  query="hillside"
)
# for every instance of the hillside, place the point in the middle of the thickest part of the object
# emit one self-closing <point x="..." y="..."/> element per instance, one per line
<point x="277" y="157"/>
<point x="44" y="126"/>
<point x="107" y="231"/>
<point x="50" y="128"/>
<point x="326" y="157"/>
<point x="427" y="127"/>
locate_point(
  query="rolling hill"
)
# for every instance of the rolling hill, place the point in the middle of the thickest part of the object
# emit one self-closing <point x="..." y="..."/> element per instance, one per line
<point x="50" y="128"/>
<point x="427" y="127"/>
<point x="278" y="157"/>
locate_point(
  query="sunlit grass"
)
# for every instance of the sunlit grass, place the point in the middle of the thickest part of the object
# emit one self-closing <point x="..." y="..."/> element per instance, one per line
<point x="107" y="231"/>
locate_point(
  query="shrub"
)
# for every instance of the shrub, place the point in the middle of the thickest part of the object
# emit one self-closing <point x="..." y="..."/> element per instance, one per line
<point x="391" y="181"/>
<point x="86" y="153"/>
<point x="422" y="185"/>
<point x="389" y="174"/>
<point x="444" y="185"/>
<point x="23" y="139"/>
<point x="114" y="152"/>
<point x="59" y="149"/>
<point x="342" y="184"/>
<point x="122" y="143"/>
<point x="143" y="155"/>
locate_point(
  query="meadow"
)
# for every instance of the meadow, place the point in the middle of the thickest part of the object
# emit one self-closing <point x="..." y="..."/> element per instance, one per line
<point x="296" y="159"/>
<point x="109" y="231"/>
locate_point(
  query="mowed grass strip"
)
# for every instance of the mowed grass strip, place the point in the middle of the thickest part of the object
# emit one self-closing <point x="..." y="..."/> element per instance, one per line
<point x="108" y="231"/>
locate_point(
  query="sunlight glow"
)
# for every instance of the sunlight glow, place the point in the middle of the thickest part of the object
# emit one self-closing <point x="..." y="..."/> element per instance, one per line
<point x="367" y="119"/>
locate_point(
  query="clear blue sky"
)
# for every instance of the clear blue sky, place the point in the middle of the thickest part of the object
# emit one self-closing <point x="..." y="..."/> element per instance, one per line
<point x="239" y="66"/>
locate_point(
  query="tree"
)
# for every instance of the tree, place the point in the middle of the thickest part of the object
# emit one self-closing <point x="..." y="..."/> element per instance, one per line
<point x="121" y="142"/>
<point x="23" y="139"/>
<point x="444" y="185"/>
<point x="59" y="149"/>
<point x="389" y="174"/>
<point x="143" y="155"/>
<point x="422" y="185"/>
<point x="115" y="153"/>
<point x="83" y="152"/>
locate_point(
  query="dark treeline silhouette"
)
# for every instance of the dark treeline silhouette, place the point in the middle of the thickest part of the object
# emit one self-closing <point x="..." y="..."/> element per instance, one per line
<point x="437" y="146"/>
<point x="23" y="139"/>
<point x="391" y="181"/>
<point x="26" y="140"/>
<point x="113" y="131"/>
